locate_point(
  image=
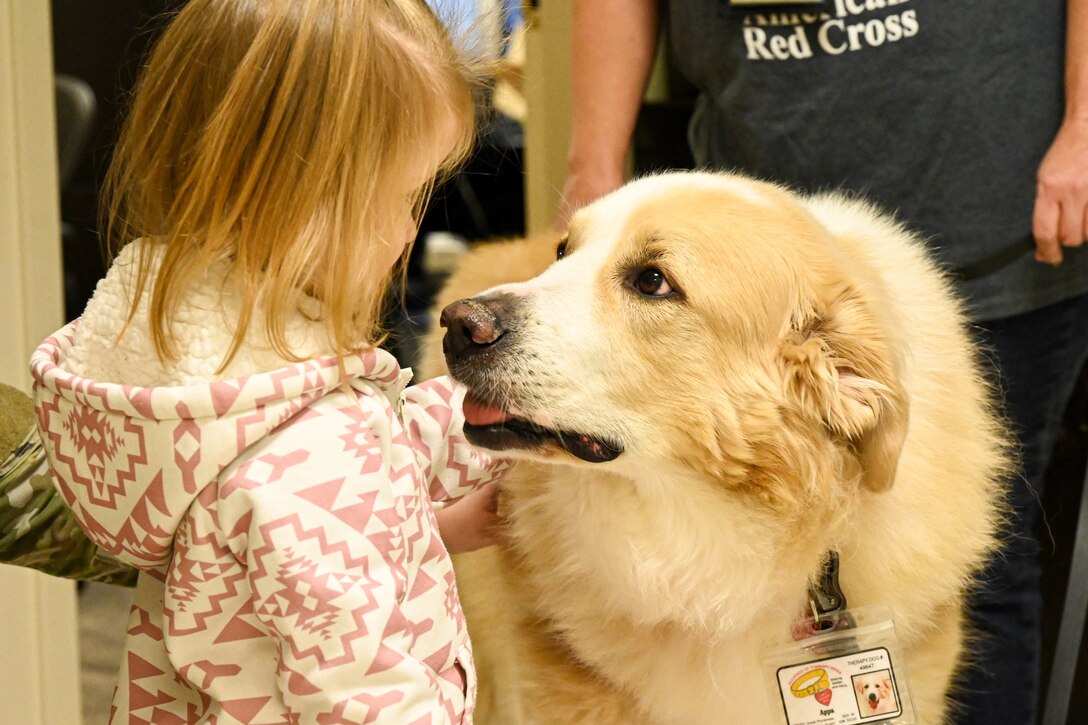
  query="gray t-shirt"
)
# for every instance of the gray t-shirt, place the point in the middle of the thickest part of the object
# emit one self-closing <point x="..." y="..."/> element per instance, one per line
<point x="940" y="110"/>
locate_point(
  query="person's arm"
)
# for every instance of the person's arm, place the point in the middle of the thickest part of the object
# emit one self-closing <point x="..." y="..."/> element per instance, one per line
<point x="612" y="54"/>
<point x="434" y="422"/>
<point x="1061" y="201"/>
<point x="459" y="475"/>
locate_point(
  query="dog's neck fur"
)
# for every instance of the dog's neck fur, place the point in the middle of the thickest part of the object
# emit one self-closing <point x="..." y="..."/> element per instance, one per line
<point x="560" y="523"/>
<point x="649" y="567"/>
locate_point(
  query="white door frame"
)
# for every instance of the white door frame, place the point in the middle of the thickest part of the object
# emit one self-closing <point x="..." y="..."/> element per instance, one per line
<point x="39" y="662"/>
<point x="547" y="94"/>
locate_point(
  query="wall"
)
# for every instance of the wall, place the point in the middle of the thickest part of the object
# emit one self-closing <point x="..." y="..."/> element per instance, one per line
<point x="38" y="653"/>
<point x="547" y="93"/>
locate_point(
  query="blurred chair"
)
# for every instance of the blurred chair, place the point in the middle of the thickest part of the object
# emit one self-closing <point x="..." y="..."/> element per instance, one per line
<point x="76" y="108"/>
<point x="76" y="112"/>
<point x="1071" y="630"/>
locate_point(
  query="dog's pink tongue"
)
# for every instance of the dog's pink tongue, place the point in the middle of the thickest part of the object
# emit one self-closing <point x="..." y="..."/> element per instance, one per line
<point x="478" y="413"/>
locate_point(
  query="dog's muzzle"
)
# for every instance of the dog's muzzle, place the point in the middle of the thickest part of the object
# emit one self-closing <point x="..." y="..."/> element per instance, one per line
<point x="479" y="345"/>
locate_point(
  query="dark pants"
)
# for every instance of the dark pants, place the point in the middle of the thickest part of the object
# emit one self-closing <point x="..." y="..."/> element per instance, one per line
<point x="1039" y="354"/>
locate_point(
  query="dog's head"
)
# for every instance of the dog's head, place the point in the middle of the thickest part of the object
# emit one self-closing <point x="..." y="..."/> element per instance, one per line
<point x="872" y="690"/>
<point x="705" y="321"/>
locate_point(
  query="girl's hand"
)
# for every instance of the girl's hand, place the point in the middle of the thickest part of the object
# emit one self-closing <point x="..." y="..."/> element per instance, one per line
<point x="472" y="522"/>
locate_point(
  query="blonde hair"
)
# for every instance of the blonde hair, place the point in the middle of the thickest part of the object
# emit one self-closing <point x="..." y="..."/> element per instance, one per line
<point x="270" y="135"/>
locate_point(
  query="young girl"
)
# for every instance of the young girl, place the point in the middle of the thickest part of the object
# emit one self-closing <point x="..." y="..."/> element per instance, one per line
<point x="221" y="417"/>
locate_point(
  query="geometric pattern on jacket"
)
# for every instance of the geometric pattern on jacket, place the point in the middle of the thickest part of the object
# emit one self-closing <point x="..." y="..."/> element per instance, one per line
<point x="292" y="568"/>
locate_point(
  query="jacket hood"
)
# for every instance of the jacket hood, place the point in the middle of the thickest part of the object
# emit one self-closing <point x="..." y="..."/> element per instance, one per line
<point x="130" y="460"/>
<point x="133" y="441"/>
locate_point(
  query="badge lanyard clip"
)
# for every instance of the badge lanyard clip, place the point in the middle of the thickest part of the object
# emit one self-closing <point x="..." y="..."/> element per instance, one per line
<point x="827" y="603"/>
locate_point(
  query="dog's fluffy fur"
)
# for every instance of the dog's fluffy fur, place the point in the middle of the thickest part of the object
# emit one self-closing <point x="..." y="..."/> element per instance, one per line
<point x="810" y="386"/>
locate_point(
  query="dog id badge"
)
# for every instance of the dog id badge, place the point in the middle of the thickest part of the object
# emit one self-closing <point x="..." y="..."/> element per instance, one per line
<point x="844" y="669"/>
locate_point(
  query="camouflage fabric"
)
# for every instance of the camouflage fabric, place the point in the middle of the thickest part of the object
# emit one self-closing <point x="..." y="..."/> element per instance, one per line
<point x="36" y="528"/>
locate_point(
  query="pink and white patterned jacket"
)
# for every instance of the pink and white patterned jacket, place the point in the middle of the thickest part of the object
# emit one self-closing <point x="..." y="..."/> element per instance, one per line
<point x="293" y="571"/>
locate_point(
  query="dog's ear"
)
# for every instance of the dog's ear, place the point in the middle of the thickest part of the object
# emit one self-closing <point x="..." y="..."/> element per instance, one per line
<point x="841" y="370"/>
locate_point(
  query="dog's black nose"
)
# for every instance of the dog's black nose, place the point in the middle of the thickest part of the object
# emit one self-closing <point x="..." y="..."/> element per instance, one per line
<point x="872" y="696"/>
<point x="471" y="327"/>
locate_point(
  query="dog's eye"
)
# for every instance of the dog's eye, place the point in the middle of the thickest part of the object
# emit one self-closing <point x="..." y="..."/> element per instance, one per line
<point x="561" y="250"/>
<point x="652" y="283"/>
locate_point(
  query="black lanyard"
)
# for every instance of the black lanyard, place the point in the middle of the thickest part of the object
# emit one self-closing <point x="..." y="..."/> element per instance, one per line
<point x="993" y="263"/>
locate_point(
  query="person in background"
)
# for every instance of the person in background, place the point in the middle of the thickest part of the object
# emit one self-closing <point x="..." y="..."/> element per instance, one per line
<point x="222" y="417"/>
<point x="970" y="119"/>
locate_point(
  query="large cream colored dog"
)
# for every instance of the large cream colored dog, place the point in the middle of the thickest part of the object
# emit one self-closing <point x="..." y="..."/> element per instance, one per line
<point x="716" y="383"/>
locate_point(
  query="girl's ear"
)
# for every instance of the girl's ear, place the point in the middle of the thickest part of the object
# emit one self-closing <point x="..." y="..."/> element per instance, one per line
<point x="841" y="371"/>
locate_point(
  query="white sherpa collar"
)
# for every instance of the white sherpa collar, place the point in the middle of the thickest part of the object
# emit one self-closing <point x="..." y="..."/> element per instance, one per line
<point x="203" y="331"/>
